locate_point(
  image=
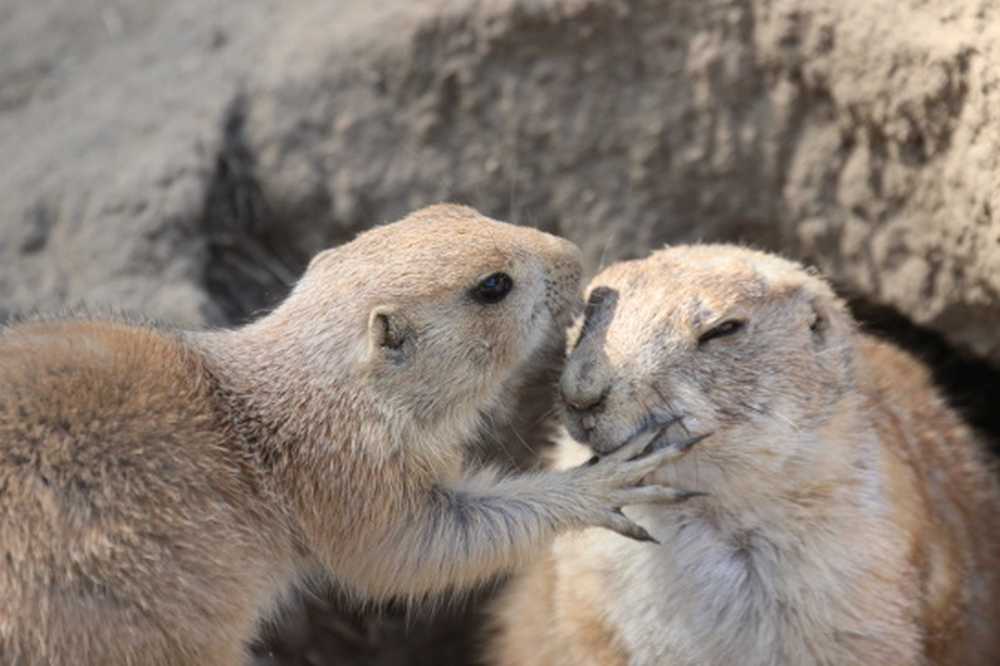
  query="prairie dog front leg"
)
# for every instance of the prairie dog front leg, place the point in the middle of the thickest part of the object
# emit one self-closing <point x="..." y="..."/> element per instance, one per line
<point x="483" y="524"/>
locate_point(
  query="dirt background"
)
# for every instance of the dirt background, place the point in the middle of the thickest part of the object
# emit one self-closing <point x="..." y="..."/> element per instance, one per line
<point x="185" y="159"/>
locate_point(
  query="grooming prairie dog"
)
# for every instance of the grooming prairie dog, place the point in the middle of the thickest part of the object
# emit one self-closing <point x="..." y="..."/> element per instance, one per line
<point x="160" y="491"/>
<point x="850" y="516"/>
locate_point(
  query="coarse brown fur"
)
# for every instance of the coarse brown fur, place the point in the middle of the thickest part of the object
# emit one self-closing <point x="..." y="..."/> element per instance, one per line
<point x="851" y="517"/>
<point x="161" y="490"/>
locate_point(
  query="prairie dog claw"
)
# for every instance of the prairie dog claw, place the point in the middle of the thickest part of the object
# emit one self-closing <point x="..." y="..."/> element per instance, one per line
<point x="616" y="480"/>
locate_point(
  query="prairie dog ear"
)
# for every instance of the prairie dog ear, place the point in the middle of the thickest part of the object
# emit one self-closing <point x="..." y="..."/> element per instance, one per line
<point x="827" y="315"/>
<point x="388" y="334"/>
<point x="819" y="319"/>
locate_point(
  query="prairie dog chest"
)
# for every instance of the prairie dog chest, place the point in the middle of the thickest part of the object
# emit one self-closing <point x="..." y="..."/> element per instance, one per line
<point x="722" y="597"/>
<point x="717" y="599"/>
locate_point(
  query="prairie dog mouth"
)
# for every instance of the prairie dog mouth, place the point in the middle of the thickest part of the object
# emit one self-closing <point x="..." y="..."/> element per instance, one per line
<point x="671" y="434"/>
<point x="679" y="444"/>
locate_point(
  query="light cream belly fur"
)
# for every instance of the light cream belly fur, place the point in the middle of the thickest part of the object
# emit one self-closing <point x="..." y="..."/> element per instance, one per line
<point x="698" y="600"/>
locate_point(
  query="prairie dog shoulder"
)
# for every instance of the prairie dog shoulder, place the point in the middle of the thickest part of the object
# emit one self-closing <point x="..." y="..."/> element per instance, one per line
<point x="850" y="516"/>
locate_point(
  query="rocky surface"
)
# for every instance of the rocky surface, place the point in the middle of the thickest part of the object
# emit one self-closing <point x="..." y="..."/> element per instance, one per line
<point x="185" y="159"/>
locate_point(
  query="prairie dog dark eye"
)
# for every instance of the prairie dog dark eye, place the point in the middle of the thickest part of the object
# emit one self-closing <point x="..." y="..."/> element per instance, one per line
<point x="727" y="327"/>
<point x="492" y="288"/>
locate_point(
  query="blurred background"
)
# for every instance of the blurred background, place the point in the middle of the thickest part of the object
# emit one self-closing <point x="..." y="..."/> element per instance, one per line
<point x="184" y="159"/>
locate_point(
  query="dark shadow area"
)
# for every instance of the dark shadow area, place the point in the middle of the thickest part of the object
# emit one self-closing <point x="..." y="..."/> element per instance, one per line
<point x="323" y="631"/>
<point x="251" y="263"/>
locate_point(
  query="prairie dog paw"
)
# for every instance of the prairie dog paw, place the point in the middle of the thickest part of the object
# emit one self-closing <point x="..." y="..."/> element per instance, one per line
<point x="621" y="479"/>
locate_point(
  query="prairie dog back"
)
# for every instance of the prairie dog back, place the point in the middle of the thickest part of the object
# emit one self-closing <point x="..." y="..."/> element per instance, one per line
<point x="121" y="498"/>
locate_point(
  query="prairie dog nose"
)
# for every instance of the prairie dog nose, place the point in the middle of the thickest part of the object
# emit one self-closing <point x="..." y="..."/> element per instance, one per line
<point x="565" y="256"/>
<point x="583" y="387"/>
<point x="563" y="270"/>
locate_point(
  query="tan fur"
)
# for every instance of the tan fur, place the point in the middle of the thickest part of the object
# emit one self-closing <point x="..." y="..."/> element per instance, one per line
<point x="851" y="516"/>
<point x="160" y="491"/>
<point x="552" y="620"/>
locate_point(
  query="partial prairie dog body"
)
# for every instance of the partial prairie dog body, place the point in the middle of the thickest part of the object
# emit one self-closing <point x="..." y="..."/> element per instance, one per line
<point x="160" y="491"/>
<point x="850" y="516"/>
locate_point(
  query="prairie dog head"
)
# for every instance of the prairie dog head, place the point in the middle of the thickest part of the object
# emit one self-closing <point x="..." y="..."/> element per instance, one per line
<point x="430" y="315"/>
<point x="712" y="339"/>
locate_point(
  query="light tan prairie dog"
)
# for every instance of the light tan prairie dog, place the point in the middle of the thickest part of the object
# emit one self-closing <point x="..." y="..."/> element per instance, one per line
<point x="160" y="491"/>
<point x="850" y="516"/>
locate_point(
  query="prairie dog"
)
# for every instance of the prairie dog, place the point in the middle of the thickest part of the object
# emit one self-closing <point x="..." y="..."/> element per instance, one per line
<point x="850" y="518"/>
<point x="161" y="490"/>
